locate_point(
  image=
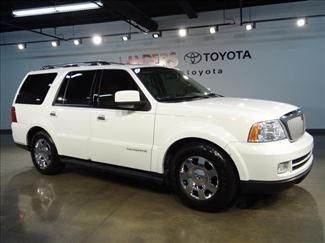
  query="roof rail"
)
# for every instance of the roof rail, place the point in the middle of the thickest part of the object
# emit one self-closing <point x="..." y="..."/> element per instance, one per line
<point x="79" y="64"/>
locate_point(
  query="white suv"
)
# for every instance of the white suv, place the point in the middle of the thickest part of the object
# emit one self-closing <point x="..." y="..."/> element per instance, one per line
<point x="157" y="122"/>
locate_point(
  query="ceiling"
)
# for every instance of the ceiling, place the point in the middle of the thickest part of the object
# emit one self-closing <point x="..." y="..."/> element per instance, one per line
<point x="139" y="11"/>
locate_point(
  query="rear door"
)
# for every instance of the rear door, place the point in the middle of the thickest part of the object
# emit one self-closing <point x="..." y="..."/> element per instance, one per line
<point x="70" y="113"/>
<point x="120" y="136"/>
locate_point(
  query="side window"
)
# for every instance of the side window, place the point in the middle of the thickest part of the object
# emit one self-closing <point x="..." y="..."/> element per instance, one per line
<point x="75" y="88"/>
<point x="35" y="88"/>
<point x="111" y="82"/>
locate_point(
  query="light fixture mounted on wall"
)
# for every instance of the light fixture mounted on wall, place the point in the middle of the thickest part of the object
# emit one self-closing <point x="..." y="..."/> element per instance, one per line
<point x="57" y="9"/>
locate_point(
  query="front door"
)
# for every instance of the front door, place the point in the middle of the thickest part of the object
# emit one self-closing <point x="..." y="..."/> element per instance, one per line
<point x="120" y="136"/>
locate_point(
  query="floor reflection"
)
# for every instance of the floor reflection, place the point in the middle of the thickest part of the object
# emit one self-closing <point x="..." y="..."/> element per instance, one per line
<point x="94" y="206"/>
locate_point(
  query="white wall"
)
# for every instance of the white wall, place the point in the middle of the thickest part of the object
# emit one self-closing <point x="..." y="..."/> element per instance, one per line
<point x="287" y="63"/>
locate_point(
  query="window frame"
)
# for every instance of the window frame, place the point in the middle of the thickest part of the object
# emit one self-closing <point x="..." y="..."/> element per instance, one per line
<point x="96" y="90"/>
<point x="96" y="76"/>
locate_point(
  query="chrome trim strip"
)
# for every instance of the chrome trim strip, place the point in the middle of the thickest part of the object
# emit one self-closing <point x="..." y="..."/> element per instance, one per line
<point x="302" y="161"/>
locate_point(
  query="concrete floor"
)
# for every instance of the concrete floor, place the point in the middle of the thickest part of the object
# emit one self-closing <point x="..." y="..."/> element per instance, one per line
<point x="87" y="205"/>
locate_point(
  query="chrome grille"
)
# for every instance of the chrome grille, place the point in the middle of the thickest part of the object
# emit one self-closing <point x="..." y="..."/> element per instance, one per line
<point x="294" y="123"/>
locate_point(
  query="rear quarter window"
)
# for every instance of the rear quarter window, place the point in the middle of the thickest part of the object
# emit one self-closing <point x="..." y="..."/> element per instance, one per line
<point x="35" y="88"/>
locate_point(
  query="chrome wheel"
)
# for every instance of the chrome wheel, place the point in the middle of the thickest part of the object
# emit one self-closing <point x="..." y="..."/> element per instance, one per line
<point x="198" y="178"/>
<point x="42" y="153"/>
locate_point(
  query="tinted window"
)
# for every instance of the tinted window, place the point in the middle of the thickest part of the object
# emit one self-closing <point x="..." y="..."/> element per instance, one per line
<point x="35" y="88"/>
<point x="76" y="88"/>
<point x="171" y="85"/>
<point x="111" y="82"/>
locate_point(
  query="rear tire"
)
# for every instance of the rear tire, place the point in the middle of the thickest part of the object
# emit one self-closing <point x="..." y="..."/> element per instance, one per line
<point x="204" y="177"/>
<point x="44" y="154"/>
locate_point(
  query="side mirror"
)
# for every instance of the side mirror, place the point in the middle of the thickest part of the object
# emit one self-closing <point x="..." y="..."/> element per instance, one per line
<point x="129" y="99"/>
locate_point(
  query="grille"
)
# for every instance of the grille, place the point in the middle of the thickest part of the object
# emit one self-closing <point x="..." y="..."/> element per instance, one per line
<point x="294" y="123"/>
<point x="297" y="163"/>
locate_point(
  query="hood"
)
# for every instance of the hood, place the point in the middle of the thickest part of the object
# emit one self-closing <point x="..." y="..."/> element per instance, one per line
<point x="223" y="108"/>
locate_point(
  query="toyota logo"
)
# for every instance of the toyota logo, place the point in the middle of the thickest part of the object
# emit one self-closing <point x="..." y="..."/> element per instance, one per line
<point x="192" y="57"/>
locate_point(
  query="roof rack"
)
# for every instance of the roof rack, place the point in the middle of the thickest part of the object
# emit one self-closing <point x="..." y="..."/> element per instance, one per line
<point x="79" y="64"/>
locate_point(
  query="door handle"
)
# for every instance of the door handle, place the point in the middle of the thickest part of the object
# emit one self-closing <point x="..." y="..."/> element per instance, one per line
<point x="101" y="117"/>
<point x="53" y="113"/>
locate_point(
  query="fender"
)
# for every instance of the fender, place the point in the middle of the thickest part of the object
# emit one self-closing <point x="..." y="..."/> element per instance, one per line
<point x="202" y="130"/>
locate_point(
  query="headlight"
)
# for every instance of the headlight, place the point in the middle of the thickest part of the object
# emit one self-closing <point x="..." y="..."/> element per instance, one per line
<point x="266" y="131"/>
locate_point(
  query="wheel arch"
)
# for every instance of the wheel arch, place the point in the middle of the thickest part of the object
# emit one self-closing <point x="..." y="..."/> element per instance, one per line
<point x="32" y="131"/>
<point x="172" y="149"/>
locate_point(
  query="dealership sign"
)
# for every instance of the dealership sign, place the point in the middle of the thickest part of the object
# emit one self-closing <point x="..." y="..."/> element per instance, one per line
<point x="163" y="59"/>
<point x="213" y="58"/>
<point x="194" y="57"/>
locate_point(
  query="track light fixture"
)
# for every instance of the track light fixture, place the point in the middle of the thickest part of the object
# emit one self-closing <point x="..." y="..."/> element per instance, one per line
<point x="182" y="32"/>
<point x="126" y="37"/>
<point x="55" y="43"/>
<point x="156" y="35"/>
<point x="77" y="42"/>
<point x="213" y="29"/>
<point x="301" y="22"/>
<point x="21" y="46"/>
<point x="250" y="26"/>
<point x="97" y="39"/>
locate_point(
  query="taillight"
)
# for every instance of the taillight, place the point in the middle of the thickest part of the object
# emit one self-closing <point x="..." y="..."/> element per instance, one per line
<point x="13" y="114"/>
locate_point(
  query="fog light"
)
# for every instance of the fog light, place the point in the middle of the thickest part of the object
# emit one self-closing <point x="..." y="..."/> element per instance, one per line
<point x="283" y="167"/>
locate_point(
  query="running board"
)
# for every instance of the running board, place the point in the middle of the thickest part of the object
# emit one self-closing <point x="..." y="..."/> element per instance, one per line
<point x="134" y="173"/>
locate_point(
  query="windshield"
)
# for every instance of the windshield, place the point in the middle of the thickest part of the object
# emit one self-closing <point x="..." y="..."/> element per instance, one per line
<point x="169" y="85"/>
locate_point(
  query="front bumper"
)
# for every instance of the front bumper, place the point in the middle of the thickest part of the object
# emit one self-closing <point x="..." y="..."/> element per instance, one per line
<point x="259" y="162"/>
<point x="269" y="187"/>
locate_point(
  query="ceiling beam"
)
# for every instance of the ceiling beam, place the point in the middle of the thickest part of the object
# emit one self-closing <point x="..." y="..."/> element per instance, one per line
<point x="30" y="30"/>
<point x="128" y="11"/>
<point x="187" y="8"/>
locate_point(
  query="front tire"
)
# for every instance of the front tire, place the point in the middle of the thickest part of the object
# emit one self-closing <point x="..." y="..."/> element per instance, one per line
<point x="44" y="154"/>
<point x="204" y="177"/>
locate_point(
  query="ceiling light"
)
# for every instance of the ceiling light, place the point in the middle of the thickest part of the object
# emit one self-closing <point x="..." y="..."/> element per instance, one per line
<point x="156" y="34"/>
<point x="213" y="29"/>
<point x="97" y="39"/>
<point x="182" y="32"/>
<point x="21" y="46"/>
<point x="126" y="37"/>
<point x="55" y="43"/>
<point x="249" y="26"/>
<point x="57" y="9"/>
<point x="77" y="42"/>
<point x="301" y="22"/>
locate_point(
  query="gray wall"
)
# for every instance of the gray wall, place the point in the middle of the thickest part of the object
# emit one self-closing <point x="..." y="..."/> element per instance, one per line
<point x="285" y="63"/>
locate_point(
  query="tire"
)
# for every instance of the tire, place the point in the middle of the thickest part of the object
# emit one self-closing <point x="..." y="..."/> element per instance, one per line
<point x="204" y="177"/>
<point x="44" y="154"/>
